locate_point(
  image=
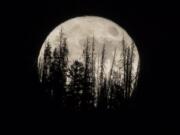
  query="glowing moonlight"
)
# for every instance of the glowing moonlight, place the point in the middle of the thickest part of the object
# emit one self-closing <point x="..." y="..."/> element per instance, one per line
<point x="93" y="53"/>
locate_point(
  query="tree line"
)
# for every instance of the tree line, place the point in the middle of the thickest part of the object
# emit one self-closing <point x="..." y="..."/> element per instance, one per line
<point x="83" y="86"/>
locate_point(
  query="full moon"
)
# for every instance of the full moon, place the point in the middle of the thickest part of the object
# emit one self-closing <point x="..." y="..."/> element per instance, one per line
<point x="100" y="35"/>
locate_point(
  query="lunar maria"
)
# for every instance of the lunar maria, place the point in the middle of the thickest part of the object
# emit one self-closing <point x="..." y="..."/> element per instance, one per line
<point x="89" y="64"/>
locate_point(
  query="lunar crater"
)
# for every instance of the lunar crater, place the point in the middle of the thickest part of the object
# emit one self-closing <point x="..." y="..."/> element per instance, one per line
<point x="113" y="31"/>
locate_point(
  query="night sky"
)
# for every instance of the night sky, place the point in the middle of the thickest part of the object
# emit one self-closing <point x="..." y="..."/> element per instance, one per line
<point x="152" y="26"/>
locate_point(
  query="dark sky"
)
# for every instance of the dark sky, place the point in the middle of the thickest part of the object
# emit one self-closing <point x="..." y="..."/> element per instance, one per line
<point x="153" y="26"/>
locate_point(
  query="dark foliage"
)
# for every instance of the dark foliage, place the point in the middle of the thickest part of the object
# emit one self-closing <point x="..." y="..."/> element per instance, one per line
<point x="76" y="87"/>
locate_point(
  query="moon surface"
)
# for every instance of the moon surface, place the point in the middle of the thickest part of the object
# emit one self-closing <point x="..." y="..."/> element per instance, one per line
<point x="104" y="31"/>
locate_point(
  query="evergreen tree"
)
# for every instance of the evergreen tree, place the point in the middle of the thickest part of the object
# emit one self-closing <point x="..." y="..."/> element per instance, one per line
<point x="74" y="87"/>
<point x="102" y="66"/>
<point x="124" y="53"/>
<point x="128" y="57"/>
<point x="56" y="74"/>
<point x="74" y="95"/>
<point x="111" y="83"/>
<point x="59" y="68"/>
<point x="93" y="78"/>
<point x="102" y="104"/>
<point x="87" y="97"/>
<point x="46" y="82"/>
<point x="103" y="97"/>
<point x="63" y="58"/>
<point x="116" y="95"/>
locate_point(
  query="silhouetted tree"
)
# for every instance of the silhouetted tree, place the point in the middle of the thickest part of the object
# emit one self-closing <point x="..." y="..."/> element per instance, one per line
<point x="46" y="81"/>
<point x="111" y="83"/>
<point x="56" y="74"/>
<point x="74" y="94"/>
<point x="87" y="97"/>
<point x="102" y="66"/>
<point x="128" y="58"/>
<point x="130" y="67"/>
<point x="58" y="70"/>
<point x="103" y="96"/>
<point x="137" y="75"/>
<point x="74" y="86"/>
<point x="116" y="93"/>
<point x="93" y="78"/>
<point x="63" y="63"/>
<point x="102" y="99"/>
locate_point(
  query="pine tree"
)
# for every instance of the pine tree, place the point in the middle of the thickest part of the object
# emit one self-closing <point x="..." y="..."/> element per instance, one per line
<point x="63" y="67"/>
<point x="56" y="74"/>
<point x="137" y="75"/>
<point x="93" y="78"/>
<point x="87" y="97"/>
<point x="116" y="92"/>
<point x="76" y="76"/>
<point x="130" y="67"/>
<point x="59" y="70"/>
<point x="102" y="99"/>
<point x="124" y="55"/>
<point x="102" y="66"/>
<point x="111" y="83"/>
<point x="46" y="82"/>
<point x="128" y="57"/>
